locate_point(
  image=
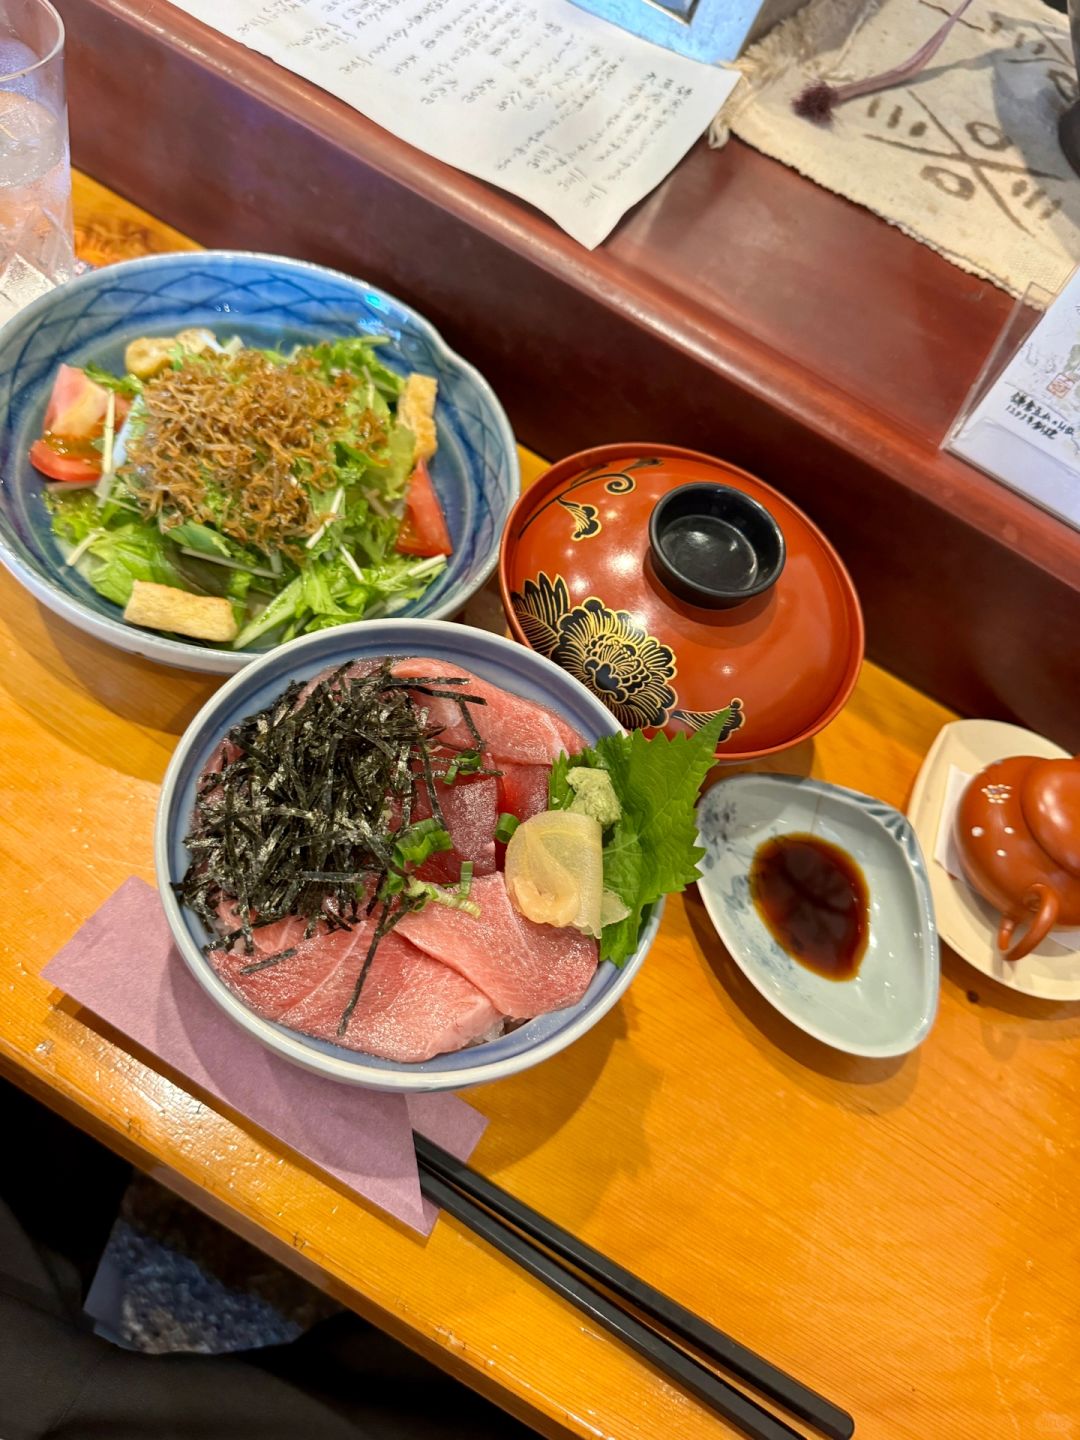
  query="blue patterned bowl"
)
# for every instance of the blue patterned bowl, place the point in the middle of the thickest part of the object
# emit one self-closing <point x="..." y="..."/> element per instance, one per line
<point x="502" y="662"/>
<point x="264" y="300"/>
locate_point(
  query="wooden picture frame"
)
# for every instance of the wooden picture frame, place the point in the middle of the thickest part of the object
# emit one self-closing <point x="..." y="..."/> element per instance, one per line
<point x="707" y="30"/>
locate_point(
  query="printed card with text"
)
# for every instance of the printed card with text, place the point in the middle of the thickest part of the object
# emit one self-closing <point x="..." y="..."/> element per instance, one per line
<point x="1025" y="430"/>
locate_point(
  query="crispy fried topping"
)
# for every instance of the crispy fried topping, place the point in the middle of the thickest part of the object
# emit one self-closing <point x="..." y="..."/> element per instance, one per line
<point x="241" y="442"/>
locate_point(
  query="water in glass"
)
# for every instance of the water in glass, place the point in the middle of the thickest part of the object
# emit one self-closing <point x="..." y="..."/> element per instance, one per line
<point x="36" y="249"/>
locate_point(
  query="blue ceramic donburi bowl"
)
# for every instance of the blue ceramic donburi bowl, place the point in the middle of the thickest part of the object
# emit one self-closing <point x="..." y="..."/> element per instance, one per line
<point x="502" y="662"/>
<point x="267" y="301"/>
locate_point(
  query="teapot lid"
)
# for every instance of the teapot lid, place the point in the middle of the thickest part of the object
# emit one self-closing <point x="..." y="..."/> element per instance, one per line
<point x="1050" y="799"/>
<point x="674" y="585"/>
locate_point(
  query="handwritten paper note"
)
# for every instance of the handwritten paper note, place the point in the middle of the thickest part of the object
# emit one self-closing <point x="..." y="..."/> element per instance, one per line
<point x="1025" y="430"/>
<point x="555" y="105"/>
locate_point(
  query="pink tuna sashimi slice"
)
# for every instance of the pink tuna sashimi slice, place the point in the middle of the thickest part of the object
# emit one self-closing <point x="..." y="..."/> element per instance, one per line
<point x="469" y="809"/>
<point x="523" y="789"/>
<point x="272" y="988"/>
<point x="410" y="1009"/>
<point x="513" y="729"/>
<point x="275" y="988"/>
<point x="526" y="969"/>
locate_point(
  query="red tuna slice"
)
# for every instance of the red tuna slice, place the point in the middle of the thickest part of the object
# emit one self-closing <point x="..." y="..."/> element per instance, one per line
<point x="410" y="1008"/>
<point x="513" y="729"/>
<point x="469" y="809"/>
<point x="523" y="789"/>
<point x="271" y="990"/>
<point x="355" y="671"/>
<point x="225" y="753"/>
<point x="270" y="939"/>
<point x="526" y="969"/>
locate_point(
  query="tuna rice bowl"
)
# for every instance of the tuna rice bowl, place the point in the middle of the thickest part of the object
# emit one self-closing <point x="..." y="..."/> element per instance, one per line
<point x="402" y="859"/>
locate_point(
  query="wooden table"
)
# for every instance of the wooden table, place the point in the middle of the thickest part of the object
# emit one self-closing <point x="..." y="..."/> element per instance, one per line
<point x="901" y="1234"/>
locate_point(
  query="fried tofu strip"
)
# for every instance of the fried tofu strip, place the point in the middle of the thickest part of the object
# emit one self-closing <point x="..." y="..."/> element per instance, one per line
<point x="162" y="607"/>
<point x="416" y="410"/>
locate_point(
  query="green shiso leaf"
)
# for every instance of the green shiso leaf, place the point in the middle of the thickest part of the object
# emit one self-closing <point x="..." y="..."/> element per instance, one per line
<point x="651" y="850"/>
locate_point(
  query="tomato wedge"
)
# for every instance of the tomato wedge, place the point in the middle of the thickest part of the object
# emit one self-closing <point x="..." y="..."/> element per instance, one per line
<point x="57" y="466"/>
<point x="74" y="419"/>
<point x="423" y="526"/>
<point x="77" y="406"/>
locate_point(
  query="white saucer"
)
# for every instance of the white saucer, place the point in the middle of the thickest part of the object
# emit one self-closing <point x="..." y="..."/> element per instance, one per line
<point x="966" y="923"/>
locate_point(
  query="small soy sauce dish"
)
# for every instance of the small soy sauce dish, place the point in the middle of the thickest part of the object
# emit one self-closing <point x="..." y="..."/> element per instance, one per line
<point x="821" y="896"/>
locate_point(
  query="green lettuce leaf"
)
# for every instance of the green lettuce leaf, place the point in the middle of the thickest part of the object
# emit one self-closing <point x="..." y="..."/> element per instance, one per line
<point x="393" y="466"/>
<point x="128" y="553"/>
<point x="236" y="591"/>
<point x="74" y="515"/>
<point x="287" y="605"/>
<point x="317" y="580"/>
<point x="357" y="354"/>
<point x="201" y="538"/>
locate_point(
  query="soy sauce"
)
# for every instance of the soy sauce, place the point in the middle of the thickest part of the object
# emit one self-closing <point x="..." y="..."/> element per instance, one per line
<point x="814" y="900"/>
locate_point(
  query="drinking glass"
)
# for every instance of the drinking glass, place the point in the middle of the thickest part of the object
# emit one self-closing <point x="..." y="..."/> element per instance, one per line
<point x="36" y="246"/>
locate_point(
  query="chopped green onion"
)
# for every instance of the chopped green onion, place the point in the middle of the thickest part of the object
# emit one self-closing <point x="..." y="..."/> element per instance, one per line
<point x="505" y="827"/>
<point x="426" y="837"/>
<point x="466" y="762"/>
<point x="413" y="847"/>
<point x="422" y="891"/>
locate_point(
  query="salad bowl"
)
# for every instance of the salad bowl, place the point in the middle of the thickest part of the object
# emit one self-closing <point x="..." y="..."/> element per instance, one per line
<point x="499" y="661"/>
<point x="266" y="301"/>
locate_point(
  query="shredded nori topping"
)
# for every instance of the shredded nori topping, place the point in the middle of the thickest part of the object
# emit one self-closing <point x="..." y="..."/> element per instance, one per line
<point x="312" y="798"/>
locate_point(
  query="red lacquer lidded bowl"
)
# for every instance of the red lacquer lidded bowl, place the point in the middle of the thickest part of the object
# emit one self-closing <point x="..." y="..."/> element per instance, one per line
<point x="673" y="586"/>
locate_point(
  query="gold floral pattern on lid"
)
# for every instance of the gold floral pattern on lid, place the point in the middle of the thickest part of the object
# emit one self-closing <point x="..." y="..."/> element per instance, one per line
<point x="540" y="608"/>
<point x="695" y="719"/>
<point x="586" y="519"/>
<point x="616" y="482"/>
<point x="624" y="666"/>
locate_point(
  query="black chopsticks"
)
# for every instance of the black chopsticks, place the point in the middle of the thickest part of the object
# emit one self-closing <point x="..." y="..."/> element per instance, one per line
<point x="541" y="1247"/>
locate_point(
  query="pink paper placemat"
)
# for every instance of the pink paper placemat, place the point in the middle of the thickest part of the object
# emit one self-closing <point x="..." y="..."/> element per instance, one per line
<point x="123" y="966"/>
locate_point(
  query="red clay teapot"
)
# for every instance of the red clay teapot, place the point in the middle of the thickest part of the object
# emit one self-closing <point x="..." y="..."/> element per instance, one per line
<point x="1018" y="833"/>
